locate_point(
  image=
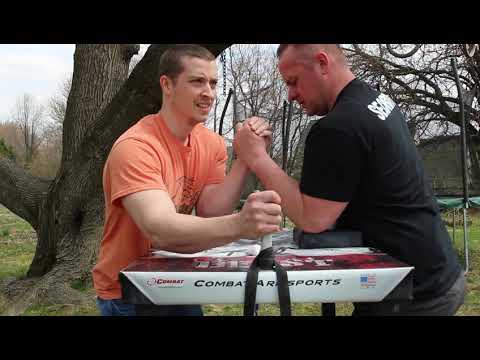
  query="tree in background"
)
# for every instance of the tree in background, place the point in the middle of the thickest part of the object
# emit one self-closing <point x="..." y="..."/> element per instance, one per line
<point x="49" y="154"/>
<point x="28" y="115"/>
<point x="35" y="137"/>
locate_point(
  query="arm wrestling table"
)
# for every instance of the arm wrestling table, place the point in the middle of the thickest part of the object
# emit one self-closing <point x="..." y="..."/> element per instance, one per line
<point x="326" y="276"/>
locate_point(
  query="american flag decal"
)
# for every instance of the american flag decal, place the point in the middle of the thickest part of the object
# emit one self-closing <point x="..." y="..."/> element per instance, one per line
<point x="368" y="281"/>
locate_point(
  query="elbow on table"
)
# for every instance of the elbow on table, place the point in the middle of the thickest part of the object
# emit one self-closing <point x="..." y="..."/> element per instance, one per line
<point x="158" y="239"/>
<point x="314" y="228"/>
<point x="172" y="244"/>
<point x="314" y="225"/>
<point x="158" y="242"/>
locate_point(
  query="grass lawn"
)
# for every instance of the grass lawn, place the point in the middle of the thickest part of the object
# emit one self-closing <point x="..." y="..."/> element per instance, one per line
<point x="18" y="241"/>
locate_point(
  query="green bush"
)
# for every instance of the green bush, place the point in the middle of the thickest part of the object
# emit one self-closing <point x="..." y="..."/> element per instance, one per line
<point x="6" y="150"/>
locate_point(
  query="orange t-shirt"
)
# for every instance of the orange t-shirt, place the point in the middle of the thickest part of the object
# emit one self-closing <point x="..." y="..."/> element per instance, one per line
<point x="148" y="156"/>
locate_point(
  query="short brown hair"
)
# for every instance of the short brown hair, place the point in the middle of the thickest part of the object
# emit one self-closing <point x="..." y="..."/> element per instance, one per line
<point x="281" y="49"/>
<point x="171" y="60"/>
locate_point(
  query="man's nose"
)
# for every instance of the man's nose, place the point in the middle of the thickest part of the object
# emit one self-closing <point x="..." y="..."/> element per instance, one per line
<point x="209" y="91"/>
<point x="292" y="95"/>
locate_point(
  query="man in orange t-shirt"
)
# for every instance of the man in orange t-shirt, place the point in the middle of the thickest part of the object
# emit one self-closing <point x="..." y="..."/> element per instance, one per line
<point x="165" y="166"/>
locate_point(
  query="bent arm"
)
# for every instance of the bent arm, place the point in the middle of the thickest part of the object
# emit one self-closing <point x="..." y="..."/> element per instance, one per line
<point x="311" y="214"/>
<point x="154" y="213"/>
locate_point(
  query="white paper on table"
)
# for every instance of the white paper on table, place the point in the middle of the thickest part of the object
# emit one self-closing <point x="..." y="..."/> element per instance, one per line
<point x="221" y="251"/>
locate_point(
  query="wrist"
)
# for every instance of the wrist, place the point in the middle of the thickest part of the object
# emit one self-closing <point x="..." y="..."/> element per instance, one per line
<point x="257" y="162"/>
<point x="236" y="226"/>
<point x="241" y="165"/>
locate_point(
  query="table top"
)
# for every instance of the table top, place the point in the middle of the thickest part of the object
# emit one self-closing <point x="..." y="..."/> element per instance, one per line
<point x="315" y="275"/>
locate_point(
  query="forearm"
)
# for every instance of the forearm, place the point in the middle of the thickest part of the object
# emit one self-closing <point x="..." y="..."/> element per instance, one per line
<point x="274" y="178"/>
<point x="189" y="234"/>
<point x="227" y="195"/>
<point x="154" y="213"/>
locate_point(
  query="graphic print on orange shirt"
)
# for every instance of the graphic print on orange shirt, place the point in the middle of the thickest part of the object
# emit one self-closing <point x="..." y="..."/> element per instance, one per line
<point x="188" y="199"/>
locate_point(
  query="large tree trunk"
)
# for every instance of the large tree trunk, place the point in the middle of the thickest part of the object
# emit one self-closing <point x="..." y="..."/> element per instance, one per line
<point x="99" y="72"/>
<point x="67" y="213"/>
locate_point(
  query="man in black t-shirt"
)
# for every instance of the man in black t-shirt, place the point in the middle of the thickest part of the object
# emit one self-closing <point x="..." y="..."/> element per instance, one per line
<point x="361" y="172"/>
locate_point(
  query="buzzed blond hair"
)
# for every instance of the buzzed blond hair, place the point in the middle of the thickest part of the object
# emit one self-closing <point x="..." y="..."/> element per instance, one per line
<point x="307" y="49"/>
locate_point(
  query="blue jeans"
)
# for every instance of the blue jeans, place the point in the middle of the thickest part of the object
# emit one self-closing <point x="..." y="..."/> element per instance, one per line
<point x="117" y="307"/>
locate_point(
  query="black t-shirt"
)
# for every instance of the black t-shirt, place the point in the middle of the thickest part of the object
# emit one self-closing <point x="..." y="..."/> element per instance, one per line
<point x="362" y="153"/>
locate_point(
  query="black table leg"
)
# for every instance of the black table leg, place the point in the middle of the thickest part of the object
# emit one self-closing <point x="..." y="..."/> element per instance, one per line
<point x="328" y="309"/>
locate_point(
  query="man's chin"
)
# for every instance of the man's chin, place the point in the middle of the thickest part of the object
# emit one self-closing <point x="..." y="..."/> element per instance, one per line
<point x="316" y="112"/>
<point x="200" y="119"/>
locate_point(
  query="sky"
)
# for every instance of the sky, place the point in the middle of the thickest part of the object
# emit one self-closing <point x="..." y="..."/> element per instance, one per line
<point x="35" y="69"/>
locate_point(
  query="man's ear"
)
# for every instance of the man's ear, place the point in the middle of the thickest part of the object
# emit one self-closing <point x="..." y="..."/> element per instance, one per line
<point x="322" y="59"/>
<point x="166" y="84"/>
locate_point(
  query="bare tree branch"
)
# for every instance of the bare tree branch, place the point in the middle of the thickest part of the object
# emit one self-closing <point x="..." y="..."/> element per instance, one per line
<point x="403" y="55"/>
